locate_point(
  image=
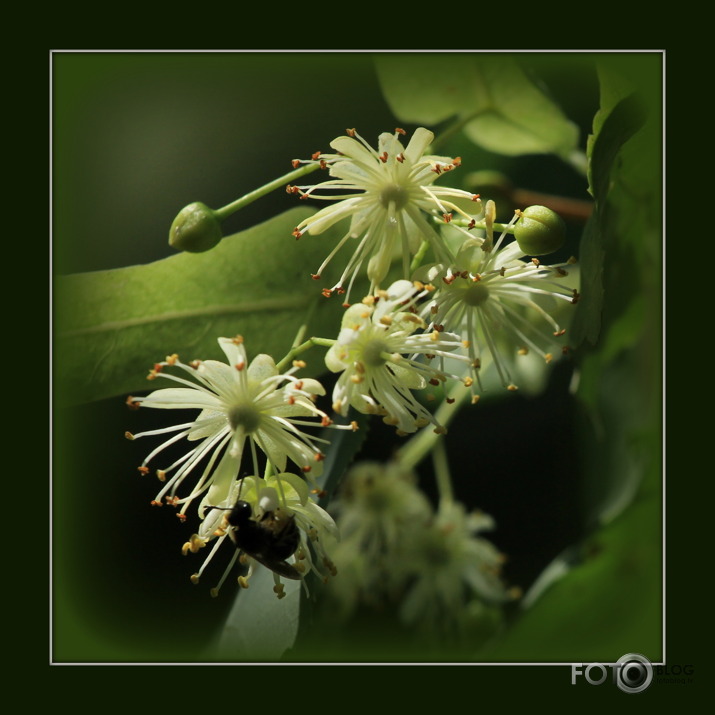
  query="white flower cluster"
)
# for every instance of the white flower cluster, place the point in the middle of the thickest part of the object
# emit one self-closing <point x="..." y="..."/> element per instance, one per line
<point x="494" y="298"/>
<point x="383" y="353"/>
<point x="396" y="550"/>
<point x="239" y="403"/>
<point x="477" y="303"/>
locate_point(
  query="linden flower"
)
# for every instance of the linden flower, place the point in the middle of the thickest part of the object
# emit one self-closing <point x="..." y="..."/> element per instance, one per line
<point x="294" y="542"/>
<point x="496" y="301"/>
<point x="380" y="511"/>
<point x="376" y="352"/>
<point x="379" y="507"/>
<point x="450" y="565"/>
<point x="389" y="195"/>
<point x="239" y="403"/>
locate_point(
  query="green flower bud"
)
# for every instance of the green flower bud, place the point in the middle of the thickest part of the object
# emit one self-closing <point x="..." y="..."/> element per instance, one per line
<point x="539" y="231"/>
<point x="195" y="229"/>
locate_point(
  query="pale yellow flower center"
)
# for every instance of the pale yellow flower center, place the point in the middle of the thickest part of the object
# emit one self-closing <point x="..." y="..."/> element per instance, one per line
<point x="372" y="353"/>
<point x="245" y="416"/>
<point x="476" y="294"/>
<point x="396" y="195"/>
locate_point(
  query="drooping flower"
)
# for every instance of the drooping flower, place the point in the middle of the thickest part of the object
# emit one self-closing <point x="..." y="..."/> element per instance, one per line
<point x="380" y="510"/>
<point x="389" y="195"/>
<point x="283" y="530"/>
<point x="450" y="568"/>
<point x="382" y="358"/>
<point x="501" y="303"/>
<point x="239" y="403"/>
<point x="396" y="550"/>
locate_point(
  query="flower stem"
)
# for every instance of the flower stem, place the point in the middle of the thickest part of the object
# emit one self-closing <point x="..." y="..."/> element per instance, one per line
<point x="441" y="471"/>
<point x="509" y="227"/>
<point x="419" y="256"/>
<point x="281" y="181"/>
<point x="424" y="441"/>
<point x="297" y="350"/>
<point x="456" y="126"/>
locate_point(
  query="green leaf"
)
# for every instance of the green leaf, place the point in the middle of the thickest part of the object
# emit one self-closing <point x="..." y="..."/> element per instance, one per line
<point x="260" y="626"/>
<point x="340" y="453"/>
<point x="618" y="125"/>
<point x="586" y="325"/>
<point x="608" y="604"/>
<point x="112" y="326"/>
<point x="425" y="88"/>
<point x="625" y="119"/>
<point x="501" y="108"/>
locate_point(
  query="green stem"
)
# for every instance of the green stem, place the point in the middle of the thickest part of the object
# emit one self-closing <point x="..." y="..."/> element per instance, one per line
<point x="424" y="441"/>
<point x="223" y="213"/>
<point x="295" y="351"/>
<point x="453" y="129"/>
<point x="417" y="260"/>
<point x="479" y="224"/>
<point x="441" y="471"/>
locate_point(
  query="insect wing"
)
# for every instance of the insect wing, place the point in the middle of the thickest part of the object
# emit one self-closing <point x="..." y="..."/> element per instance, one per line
<point x="282" y="568"/>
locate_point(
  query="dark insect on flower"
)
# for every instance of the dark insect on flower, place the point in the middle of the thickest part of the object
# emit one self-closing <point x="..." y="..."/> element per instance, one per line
<point x="270" y="540"/>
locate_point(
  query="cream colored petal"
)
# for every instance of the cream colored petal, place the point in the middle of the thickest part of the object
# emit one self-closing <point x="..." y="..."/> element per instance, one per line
<point x="181" y="398"/>
<point x="234" y="350"/>
<point x="418" y="144"/>
<point x="292" y="482"/>
<point x="355" y="150"/>
<point x="208" y="423"/>
<point x="261" y="367"/>
<point x="330" y="215"/>
<point x="333" y="359"/>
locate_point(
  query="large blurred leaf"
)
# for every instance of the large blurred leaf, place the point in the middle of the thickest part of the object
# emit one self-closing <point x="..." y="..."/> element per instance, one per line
<point x="502" y="109"/>
<point x="620" y="119"/>
<point x="112" y="326"/>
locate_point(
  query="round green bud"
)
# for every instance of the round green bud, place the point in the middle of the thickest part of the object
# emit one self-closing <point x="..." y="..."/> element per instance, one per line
<point x="539" y="231"/>
<point x="195" y="229"/>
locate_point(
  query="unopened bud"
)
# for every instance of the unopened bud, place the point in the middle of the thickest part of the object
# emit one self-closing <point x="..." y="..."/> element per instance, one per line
<point x="539" y="231"/>
<point x="195" y="229"/>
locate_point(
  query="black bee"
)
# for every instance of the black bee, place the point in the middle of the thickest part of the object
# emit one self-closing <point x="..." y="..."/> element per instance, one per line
<point x="270" y="540"/>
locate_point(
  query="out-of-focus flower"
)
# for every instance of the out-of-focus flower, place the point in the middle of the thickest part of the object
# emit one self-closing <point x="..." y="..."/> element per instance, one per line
<point x="448" y="566"/>
<point x="380" y="511"/>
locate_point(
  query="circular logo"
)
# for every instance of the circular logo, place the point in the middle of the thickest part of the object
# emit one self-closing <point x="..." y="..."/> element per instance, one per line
<point x="634" y="673"/>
